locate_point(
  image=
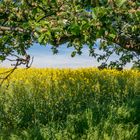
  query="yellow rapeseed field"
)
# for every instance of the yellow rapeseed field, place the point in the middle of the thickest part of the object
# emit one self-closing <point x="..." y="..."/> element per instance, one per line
<point x="83" y="103"/>
<point x="86" y="75"/>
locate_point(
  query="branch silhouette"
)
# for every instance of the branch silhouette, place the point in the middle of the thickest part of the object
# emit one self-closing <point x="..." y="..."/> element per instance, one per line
<point x="26" y="61"/>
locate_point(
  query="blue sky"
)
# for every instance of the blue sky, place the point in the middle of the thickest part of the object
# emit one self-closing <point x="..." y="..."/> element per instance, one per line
<point x="43" y="57"/>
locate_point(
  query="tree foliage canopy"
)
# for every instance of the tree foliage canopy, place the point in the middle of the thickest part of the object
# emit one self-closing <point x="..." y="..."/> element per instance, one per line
<point x="116" y="23"/>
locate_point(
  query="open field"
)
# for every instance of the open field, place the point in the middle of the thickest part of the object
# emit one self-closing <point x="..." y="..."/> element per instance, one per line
<point x="65" y="104"/>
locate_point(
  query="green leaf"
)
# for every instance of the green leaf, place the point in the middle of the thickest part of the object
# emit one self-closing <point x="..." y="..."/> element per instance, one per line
<point x="120" y="2"/>
<point x="41" y="38"/>
<point x="74" y="29"/>
<point x="94" y="15"/>
<point x="2" y="58"/>
<point x="73" y="53"/>
<point x="112" y="36"/>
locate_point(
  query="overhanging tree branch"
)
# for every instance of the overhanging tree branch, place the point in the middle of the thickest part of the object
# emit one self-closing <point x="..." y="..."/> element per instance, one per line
<point x="57" y="22"/>
<point x="128" y="43"/>
<point x="5" y="28"/>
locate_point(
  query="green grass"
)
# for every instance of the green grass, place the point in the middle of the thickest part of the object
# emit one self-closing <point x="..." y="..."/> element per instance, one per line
<point x="78" y="105"/>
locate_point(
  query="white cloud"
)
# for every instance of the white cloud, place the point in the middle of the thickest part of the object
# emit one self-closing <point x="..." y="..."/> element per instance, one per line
<point x="64" y="61"/>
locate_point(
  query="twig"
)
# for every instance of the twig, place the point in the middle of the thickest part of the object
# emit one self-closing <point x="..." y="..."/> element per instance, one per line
<point x="31" y="62"/>
<point x="6" y="77"/>
<point x="5" y="28"/>
<point x="19" y="61"/>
